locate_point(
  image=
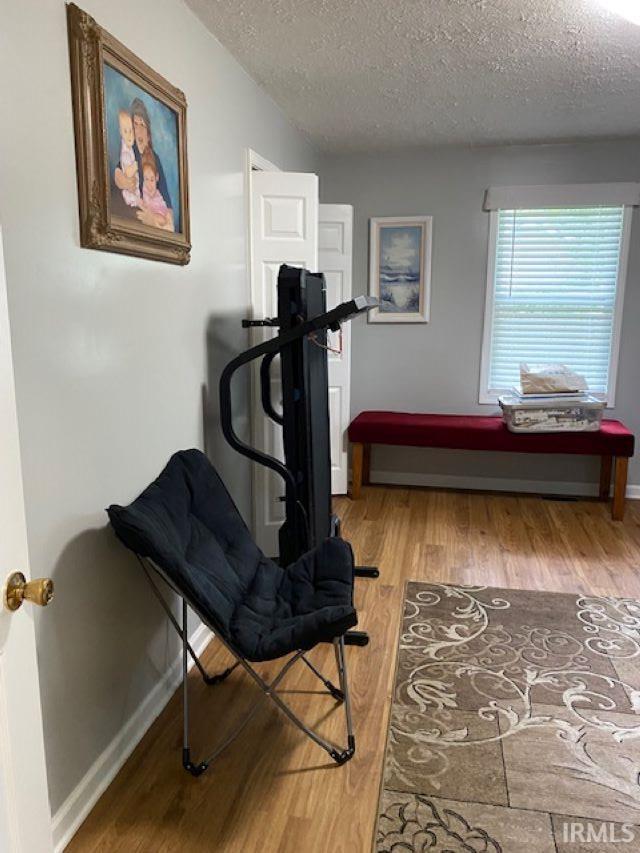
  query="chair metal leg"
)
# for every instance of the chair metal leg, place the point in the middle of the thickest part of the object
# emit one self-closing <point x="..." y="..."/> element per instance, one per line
<point x="251" y="713"/>
<point x="208" y="679"/>
<point x="341" y="662"/>
<point x="331" y="688"/>
<point x="340" y="756"/>
<point x="325" y="744"/>
<point x="189" y="766"/>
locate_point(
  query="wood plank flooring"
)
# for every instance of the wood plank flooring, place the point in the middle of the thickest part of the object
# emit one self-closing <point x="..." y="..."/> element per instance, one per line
<point x="273" y="789"/>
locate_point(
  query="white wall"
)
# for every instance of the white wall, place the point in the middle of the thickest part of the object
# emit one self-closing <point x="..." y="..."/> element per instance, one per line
<point x="110" y="352"/>
<point x="435" y="367"/>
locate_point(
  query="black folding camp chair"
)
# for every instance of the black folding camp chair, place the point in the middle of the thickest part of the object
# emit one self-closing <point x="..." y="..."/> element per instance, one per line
<point x="186" y="528"/>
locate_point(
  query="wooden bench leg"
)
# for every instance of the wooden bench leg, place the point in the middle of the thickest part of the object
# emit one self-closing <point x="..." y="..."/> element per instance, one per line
<point x="357" y="458"/>
<point x="366" y="465"/>
<point x="619" y="488"/>
<point x="606" y="464"/>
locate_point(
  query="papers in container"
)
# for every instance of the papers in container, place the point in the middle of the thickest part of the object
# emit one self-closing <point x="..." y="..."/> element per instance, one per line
<point x="550" y="379"/>
<point x="533" y="414"/>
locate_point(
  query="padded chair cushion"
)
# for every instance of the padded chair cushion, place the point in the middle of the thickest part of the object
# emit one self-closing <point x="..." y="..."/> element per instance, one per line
<point x="187" y="523"/>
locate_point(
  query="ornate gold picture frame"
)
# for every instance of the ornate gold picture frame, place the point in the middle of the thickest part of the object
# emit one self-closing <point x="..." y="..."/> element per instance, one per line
<point x="131" y="148"/>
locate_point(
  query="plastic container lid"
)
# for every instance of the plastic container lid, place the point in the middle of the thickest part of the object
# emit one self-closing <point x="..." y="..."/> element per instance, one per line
<point x="588" y="402"/>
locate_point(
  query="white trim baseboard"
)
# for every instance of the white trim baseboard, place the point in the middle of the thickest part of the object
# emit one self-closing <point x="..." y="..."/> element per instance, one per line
<point x="491" y="484"/>
<point x="81" y="800"/>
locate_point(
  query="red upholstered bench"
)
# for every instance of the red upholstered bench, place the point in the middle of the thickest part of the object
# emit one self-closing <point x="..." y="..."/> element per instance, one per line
<point x="477" y="432"/>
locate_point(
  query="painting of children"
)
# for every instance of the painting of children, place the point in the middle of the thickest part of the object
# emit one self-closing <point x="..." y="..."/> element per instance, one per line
<point x="142" y="143"/>
<point x="128" y="162"/>
<point x="152" y="199"/>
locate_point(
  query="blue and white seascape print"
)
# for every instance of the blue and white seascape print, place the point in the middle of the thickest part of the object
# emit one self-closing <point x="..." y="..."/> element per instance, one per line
<point x="400" y="272"/>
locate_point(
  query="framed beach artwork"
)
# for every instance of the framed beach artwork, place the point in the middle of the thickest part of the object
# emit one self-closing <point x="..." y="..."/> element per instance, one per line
<point x="131" y="148"/>
<point x="400" y="268"/>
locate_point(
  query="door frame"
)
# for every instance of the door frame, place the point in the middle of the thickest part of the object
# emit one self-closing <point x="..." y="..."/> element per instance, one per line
<point x="344" y="214"/>
<point x="254" y="162"/>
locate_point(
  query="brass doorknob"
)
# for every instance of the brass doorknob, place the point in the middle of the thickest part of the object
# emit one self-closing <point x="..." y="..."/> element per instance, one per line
<point x="17" y="589"/>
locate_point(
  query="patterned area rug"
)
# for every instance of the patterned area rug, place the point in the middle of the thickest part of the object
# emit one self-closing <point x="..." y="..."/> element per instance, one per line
<point x="515" y="724"/>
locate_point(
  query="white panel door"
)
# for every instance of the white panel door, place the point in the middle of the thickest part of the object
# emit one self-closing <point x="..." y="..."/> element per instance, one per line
<point x="25" y="819"/>
<point x="335" y="237"/>
<point x="284" y="230"/>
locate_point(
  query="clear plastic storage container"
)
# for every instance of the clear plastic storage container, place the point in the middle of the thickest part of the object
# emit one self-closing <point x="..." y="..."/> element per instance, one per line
<point x="552" y="415"/>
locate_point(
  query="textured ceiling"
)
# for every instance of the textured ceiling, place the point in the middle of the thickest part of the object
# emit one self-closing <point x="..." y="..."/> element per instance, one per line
<point x="379" y="74"/>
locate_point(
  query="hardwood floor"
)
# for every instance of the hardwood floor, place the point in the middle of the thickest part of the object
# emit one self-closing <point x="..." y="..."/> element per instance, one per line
<point x="274" y="790"/>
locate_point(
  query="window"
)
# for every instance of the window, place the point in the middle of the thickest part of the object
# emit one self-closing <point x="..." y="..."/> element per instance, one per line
<point x="555" y="286"/>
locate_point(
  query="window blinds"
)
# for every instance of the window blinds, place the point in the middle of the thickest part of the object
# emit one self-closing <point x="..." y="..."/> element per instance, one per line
<point x="555" y="281"/>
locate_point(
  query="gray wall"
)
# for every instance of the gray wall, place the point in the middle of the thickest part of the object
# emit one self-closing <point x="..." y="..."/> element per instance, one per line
<point x="435" y="367"/>
<point x="110" y="352"/>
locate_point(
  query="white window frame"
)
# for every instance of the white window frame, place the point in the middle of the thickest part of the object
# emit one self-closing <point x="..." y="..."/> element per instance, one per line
<point x="541" y="197"/>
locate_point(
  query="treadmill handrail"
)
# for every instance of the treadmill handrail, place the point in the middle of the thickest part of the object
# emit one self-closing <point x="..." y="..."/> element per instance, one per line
<point x="265" y="389"/>
<point x="337" y="315"/>
<point x="226" y="419"/>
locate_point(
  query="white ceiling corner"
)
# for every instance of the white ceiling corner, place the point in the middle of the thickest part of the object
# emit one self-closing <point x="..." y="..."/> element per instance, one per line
<point x="374" y="74"/>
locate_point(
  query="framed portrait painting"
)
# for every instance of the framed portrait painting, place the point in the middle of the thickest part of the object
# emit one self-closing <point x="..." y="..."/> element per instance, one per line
<point x="131" y="148"/>
<point x="400" y="268"/>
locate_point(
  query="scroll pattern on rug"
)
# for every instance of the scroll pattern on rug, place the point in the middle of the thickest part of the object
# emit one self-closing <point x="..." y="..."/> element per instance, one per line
<point x="515" y="723"/>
